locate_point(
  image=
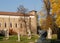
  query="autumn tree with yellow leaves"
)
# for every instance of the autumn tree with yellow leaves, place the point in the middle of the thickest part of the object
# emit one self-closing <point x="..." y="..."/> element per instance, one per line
<point x="49" y="18"/>
<point x="55" y="5"/>
<point x="52" y="8"/>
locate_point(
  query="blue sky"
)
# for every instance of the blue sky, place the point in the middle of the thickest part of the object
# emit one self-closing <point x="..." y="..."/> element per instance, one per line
<point x="11" y="5"/>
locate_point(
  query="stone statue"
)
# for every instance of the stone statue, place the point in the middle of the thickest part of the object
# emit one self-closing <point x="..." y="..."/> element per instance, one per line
<point x="49" y="35"/>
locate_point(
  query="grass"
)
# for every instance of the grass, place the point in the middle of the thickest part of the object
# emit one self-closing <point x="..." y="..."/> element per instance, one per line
<point x="54" y="36"/>
<point x="24" y="39"/>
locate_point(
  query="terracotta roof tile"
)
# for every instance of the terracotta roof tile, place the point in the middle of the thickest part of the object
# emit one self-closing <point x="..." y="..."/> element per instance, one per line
<point x="13" y="14"/>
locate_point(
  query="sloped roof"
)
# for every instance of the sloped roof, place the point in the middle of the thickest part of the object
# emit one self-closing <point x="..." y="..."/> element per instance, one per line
<point x="14" y="14"/>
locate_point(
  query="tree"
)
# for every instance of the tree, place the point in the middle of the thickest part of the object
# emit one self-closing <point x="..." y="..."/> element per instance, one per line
<point x="49" y="18"/>
<point x="23" y="10"/>
<point x="43" y="23"/>
<point x="55" y="6"/>
<point x="58" y="19"/>
<point x="47" y="6"/>
<point x="42" y="19"/>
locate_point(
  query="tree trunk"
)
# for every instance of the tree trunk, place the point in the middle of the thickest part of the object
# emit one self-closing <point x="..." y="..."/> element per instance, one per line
<point x="29" y="33"/>
<point x="29" y="28"/>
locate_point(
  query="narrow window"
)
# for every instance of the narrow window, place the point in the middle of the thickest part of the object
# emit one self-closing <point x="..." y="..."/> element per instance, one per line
<point x="16" y="25"/>
<point x="0" y="24"/>
<point x="5" y="25"/>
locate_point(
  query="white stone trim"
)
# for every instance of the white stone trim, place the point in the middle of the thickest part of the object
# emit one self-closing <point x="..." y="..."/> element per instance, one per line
<point x="14" y="16"/>
<point x="6" y="16"/>
<point x="31" y="16"/>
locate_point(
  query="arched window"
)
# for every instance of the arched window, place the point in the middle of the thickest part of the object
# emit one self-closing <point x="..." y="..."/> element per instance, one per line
<point x="5" y="25"/>
<point x="16" y="25"/>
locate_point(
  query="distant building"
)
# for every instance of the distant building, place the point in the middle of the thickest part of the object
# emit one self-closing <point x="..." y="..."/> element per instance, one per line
<point x="15" y="21"/>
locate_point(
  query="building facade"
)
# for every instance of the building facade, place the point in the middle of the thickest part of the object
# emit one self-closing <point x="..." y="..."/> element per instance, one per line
<point x="18" y="22"/>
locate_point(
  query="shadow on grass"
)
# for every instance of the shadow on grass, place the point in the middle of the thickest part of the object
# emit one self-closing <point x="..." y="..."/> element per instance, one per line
<point x="49" y="41"/>
<point x="1" y="38"/>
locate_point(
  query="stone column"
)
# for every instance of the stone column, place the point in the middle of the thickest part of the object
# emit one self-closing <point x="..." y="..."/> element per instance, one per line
<point x="18" y="36"/>
<point x="18" y="32"/>
<point x="8" y="26"/>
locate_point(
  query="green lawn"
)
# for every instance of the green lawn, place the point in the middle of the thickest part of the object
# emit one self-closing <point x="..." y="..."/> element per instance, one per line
<point x="24" y="39"/>
<point x="54" y="36"/>
<point x="13" y="39"/>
